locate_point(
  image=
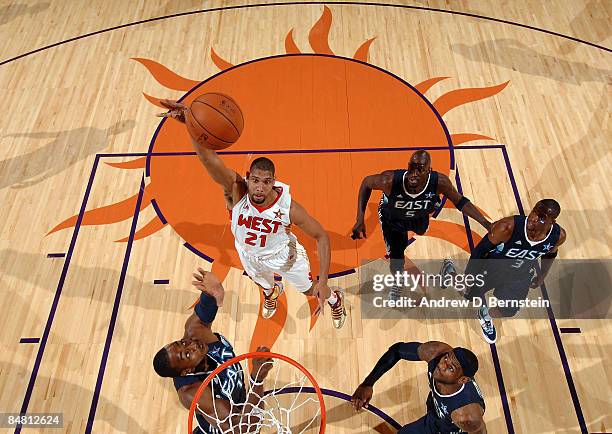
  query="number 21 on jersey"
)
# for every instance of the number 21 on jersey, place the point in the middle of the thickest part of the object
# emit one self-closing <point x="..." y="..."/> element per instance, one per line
<point x="251" y="239"/>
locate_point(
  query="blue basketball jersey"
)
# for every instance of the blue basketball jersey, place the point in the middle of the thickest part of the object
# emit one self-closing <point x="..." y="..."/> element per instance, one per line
<point x="228" y="384"/>
<point x="400" y="205"/>
<point x="519" y="252"/>
<point x="440" y="407"/>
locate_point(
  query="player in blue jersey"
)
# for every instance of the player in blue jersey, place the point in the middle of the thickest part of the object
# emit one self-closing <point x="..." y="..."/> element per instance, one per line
<point x="455" y="404"/>
<point x="409" y="197"/>
<point x="507" y="257"/>
<point x="189" y="360"/>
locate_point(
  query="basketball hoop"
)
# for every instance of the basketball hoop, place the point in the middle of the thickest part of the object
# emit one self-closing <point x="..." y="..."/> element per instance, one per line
<point x="286" y="406"/>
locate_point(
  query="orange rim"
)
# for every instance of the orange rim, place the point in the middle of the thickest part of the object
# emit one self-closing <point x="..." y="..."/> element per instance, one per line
<point x="253" y="355"/>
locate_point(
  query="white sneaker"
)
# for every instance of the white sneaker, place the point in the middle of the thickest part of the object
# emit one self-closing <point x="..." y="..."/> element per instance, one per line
<point x="338" y="311"/>
<point x="271" y="301"/>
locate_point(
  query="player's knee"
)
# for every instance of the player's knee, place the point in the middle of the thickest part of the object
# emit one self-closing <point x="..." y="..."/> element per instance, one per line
<point x="472" y="295"/>
<point x="473" y="292"/>
<point x="508" y="312"/>
<point x="420" y="231"/>
<point x="421" y="227"/>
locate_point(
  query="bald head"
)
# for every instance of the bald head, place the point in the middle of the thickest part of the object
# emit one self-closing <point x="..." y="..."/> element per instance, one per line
<point x="421" y="157"/>
<point x="550" y="207"/>
<point x="419" y="167"/>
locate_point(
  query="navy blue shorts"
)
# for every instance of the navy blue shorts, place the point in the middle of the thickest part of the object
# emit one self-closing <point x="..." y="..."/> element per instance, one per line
<point x="396" y="234"/>
<point x="506" y="284"/>
<point x="421" y="426"/>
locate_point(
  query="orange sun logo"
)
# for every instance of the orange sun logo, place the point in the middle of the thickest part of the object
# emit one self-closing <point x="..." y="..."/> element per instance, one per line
<point x="325" y="120"/>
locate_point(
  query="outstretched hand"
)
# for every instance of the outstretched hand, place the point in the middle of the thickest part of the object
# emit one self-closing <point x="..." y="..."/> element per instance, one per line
<point x="361" y="397"/>
<point x="359" y="230"/>
<point x="261" y="365"/>
<point x="209" y="283"/>
<point x="176" y="110"/>
<point x="322" y="292"/>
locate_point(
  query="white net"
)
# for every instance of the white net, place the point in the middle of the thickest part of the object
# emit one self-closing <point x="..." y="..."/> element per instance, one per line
<point x="284" y="402"/>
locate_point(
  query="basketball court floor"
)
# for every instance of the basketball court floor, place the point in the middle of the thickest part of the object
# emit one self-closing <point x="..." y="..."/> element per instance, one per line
<point x="106" y="210"/>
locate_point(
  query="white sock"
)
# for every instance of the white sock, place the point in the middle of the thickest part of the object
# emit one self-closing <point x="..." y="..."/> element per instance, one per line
<point x="268" y="292"/>
<point x="333" y="298"/>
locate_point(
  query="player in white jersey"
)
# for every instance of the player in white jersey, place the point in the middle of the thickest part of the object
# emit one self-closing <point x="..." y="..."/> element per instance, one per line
<point x="262" y="214"/>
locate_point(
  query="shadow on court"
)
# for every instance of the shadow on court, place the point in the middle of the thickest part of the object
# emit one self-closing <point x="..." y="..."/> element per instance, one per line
<point x="517" y="56"/>
<point x="64" y="149"/>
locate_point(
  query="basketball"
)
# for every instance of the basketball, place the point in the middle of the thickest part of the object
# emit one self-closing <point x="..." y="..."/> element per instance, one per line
<point x="214" y="121"/>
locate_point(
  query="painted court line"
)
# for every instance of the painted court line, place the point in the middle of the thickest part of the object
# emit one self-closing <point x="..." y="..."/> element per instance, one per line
<point x="29" y="340"/>
<point x="45" y="336"/>
<point x="197" y="252"/>
<point x="209" y="259"/>
<point x="570" y="330"/>
<point x="158" y="212"/>
<point x="565" y="363"/>
<point x="161" y="282"/>
<point x="58" y="294"/>
<point x="115" y="313"/>
<point x="355" y="3"/>
<point x="56" y="255"/>
<point x="551" y="316"/>
<point x="300" y="151"/>
<point x="496" y="364"/>
<point x="340" y="395"/>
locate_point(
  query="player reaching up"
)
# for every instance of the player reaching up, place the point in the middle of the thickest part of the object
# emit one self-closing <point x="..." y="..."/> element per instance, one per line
<point x="454" y="405"/>
<point x="263" y="211"/>
<point x="189" y="360"/>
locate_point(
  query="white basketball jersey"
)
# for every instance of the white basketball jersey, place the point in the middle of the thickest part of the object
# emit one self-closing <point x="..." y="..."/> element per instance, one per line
<point x="263" y="231"/>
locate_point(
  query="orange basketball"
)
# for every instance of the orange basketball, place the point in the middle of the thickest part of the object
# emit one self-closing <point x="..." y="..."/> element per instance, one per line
<point x="214" y="120"/>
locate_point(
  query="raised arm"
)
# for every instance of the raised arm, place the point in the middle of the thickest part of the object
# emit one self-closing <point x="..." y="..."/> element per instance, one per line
<point x="311" y="227"/>
<point x="462" y="203"/>
<point x="470" y="419"/>
<point x="218" y="171"/>
<point x="206" y="308"/>
<point x="432" y="349"/>
<point x="414" y="351"/>
<point x="500" y="232"/>
<point x="383" y="181"/>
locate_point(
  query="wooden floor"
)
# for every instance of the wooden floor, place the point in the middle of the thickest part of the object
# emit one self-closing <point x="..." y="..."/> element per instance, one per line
<point x="96" y="315"/>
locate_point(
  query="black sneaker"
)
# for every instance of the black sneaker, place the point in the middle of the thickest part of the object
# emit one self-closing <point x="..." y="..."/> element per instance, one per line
<point x="395" y="293"/>
<point x="488" y="329"/>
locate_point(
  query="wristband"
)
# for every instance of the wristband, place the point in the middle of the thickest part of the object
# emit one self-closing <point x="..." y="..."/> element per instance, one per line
<point x="207" y="308"/>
